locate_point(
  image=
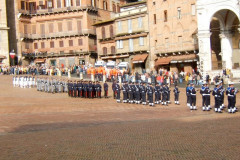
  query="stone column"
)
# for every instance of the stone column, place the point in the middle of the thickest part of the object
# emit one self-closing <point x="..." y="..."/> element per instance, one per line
<point x="205" y="56"/>
<point x="226" y="49"/>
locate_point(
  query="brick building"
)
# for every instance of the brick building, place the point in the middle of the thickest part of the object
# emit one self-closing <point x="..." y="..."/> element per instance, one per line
<point x="128" y="41"/>
<point x="4" y="50"/>
<point x="59" y="32"/>
<point x="173" y="34"/>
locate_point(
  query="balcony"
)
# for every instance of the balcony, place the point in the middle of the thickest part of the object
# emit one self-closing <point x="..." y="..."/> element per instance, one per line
<point x="131" y="12"/>
<point x="84" y="32"/>
<point x="58" y="10"/>
<point x="3" y="26"/>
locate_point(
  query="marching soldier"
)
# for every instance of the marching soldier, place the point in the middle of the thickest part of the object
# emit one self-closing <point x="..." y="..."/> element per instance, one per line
<point x="164" y="94"/>
<point x="202" y="92"/>
<point x="137" y="93"/>
<point x="98" y="90"/>
<point x="150" y="91"/>
<point x="125" y="90"/>
<point x="193" y="97"/>
<point x="105" y="86"/>
<point x="118" y="91"/>
<point x="231" y="93"/>
<point x="114" y="89"/>
<point x="188" y="94"/>
<point x="130" y="92"/>
<point x="207" y="93"/>
<point x="157" y="90"/>
<point x="168" y="94"/>
<point x="90" y="90"/>
<point x="217" y="94"/>
<point x="143" y="94"/>
<point x="176" y="94"/>
<point x="222" y="90"/>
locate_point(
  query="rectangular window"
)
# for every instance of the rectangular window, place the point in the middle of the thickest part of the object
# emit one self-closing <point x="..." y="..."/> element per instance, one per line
<point x="131" y="45"/>
<point x="129" y="26"/>
<point x="42" y="29"/>
<point x="193" y="9"/>
<point x="69" y="23"/>
<point x="79" y="26"/>
<point x="140" y="22"/>
<point x="42" y="45"/>
<point x="78" y="2"/>
<point x="25" y="29"/>
<point x="22" y="5"/>
<point x="35" y="46"/>
<point x="34" y="29"/>
<point x="26" y="45"/>
<point x="141" y="41"/>
<point x="50" y="27"/>
<point x="59" y="3"/>
<point x="68" y="3"/>
<point x="155" y="19"/>
<point x="61" y="44"/>
<point x="165" y="16"/>
<point x="60" y="27"/>
<point x="179" y="13"/>
<point x="70" y="42"/>
<point x="51" y="44"/>
<point x="50" y="4"/>
<point x="120" y="44"/>
<point x="119" y="26"/>
<point x="80" y="42"/>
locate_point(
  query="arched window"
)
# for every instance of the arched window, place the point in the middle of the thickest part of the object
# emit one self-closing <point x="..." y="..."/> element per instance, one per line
<point x="104" y="50"/>
<point x="104" y="5"/>
<point x="114" y="8"/>
<point x="118" y="8"/>
<point x="103" y="33"/>
<point x="111" y="31"/>
<point x="113" y="51"/>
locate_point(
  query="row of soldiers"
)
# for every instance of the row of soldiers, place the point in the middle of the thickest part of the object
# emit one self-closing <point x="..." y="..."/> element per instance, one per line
<point x="24" y="81"/>
<point x="217" y="92"/>
<point x="52" y="85"/>
<point x="142" y="93"/>
<point x="87" y="89"/>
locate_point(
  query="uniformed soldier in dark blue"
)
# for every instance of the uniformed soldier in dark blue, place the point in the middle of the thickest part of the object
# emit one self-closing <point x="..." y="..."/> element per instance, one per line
<point x="164" y="94"/>
<point x="98" y="89"/>
<point x="105" y="86"/>
<point x="202" y="92"/>
<point x="130" y="92"/>
<point x="134" y="91"/>
<point x="90" y="90"/>
<point x="193" y="93"/>
<point x="85" y="88"/>
<point x="94" y="92"/>
<point x="137" y="93"/>
<point x="75" y="89"/>
<point x="125" y="90"/>
<point x="143" y="93"/>
<point x="69" y="88"/>
<point x="168" y="93"/>
<point x="160" y="94"/>
<point x="188" y="94"/>
<point x="217" y="94"/>
<point x="231" y="93"/>
<point x="118" y="90"/>
<point x="156" y="91"/>
<point x="150" y="91"/>
<point x="222" y="90"/>
<point x="207" y="93"/>
<point x="176" y="95"/>
<point x="114" y="89"/>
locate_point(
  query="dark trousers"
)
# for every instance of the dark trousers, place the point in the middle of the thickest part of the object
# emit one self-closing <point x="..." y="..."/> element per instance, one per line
<point x="176" y="97"/>
<point x="168" y="96"/>
<point x="124" y="95"/>
<point x="164" y="97"/>
<point x="156" y="97"/>
<point x="75" y="93"/>
<point x="143" y="97"/>
<point x="217" y="102"/>
<point x="130" y="96"/>
<point x="150" y="96"/>
<point x="79" y="93"/>
<point x="231" y="102"/>
<point x="105" y="93"/>
<point x="204" y="101"/>
<point x="137" y="95"/>
<point x="207" y="98"/>
<point x="188" y="98"/>
<point x="114" y="94"/>
<point x="118" y="95"/>
<point x="193" y="100"/>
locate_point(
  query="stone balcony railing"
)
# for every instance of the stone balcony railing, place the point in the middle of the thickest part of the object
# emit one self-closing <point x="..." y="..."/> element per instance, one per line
<point x="131" y="12"/>
<point x="57" y="10"/>
<point x="59" y="34"/>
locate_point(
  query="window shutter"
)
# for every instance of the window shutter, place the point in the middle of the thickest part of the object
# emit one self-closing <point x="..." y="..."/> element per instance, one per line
<point x="141" y="41"/>
<point x="42" y="26"/>
<point x="60" y="27"/>
<point x="69" y="25"/>
<point x="80" y="42"/>
<point x="79" y="26"/>
<point x="140" y="22"/>
<point x="129" y="26"/>
<point x="119" y="26"/>
<point x="131" y="45"/>
<point x="121" y="43"/>
<point x="103" y="33"/>
<point x="111" y="31"/>
<point x="59" y="3"/>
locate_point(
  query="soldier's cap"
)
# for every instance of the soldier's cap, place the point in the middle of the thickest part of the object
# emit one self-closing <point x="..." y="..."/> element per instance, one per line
<point x="230" y="83"/>
<point x="191" y="83"/>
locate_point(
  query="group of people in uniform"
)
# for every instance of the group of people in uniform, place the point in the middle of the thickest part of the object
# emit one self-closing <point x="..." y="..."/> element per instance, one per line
<point x="24" y="81"/>
<point x="87" y="89"/>
<point x="52" y="85"/>
<point x="218" y="92"/>
<point x="142" y="93"/>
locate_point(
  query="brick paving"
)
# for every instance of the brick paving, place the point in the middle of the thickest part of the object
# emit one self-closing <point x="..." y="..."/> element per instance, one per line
<point x="36" y="125"/>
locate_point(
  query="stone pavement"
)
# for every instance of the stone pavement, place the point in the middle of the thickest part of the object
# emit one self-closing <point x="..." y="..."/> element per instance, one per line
<point x="36" y="125"/>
